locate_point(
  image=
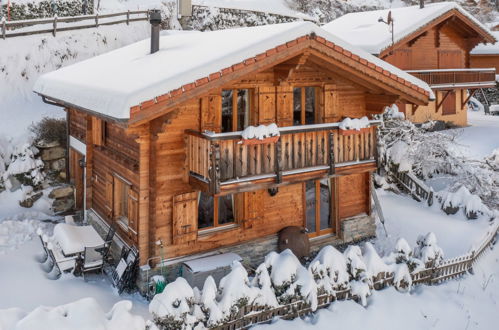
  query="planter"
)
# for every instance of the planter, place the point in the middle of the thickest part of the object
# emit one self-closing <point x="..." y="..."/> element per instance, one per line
<point x="272" y="139"/>
<point x="346" y="132"/>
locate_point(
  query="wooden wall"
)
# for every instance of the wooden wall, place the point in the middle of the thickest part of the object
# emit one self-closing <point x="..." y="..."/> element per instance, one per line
<point x="354" y="195"/>
<point x="77" y="124"/>
<point x="485" y="61"/>
<point x="433" y="50"/>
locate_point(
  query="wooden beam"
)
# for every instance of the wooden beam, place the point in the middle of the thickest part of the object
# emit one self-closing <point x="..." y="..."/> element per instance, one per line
<point x="414" y="108"/>
<point x="89" y="159"/>
<point x="144" y="242"/>
<point x="472" y="92"/>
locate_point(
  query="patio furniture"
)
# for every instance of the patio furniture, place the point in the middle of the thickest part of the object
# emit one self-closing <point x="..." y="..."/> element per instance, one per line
<point x="60" y="261"/>
<point x="123" y="275"/>
<point x="92" y="259"/>
<point x="73" y="239"/>
<point x="43" y="239"/>
<point x="108" y="241"/>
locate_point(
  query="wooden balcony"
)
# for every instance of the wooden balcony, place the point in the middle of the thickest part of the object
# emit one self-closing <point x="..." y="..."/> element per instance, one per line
<point x="457" y="78"/>
<point x="220" y="163"/>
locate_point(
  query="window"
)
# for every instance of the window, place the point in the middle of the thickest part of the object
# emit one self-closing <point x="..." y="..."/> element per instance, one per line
<point x="215" y="211"/>
<point x="318" y="211"/>
<point x="304" y="105"/>
<point x="235" y="111"/>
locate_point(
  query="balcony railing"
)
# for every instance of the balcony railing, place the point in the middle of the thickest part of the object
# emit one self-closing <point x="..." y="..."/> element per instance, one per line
<point x="457" y="78"/>
<point x="221" y="161"/>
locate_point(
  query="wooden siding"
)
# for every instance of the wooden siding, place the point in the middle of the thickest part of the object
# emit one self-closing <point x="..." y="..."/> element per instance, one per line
<point x="485" y="61"/>
<point x="354" y="197"/>
<point x="77" y="124"/>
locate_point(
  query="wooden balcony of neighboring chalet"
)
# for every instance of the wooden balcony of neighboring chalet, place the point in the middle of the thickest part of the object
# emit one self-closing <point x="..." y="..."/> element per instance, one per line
<point x="219" y="163"/>
<point x="457" y="78"/>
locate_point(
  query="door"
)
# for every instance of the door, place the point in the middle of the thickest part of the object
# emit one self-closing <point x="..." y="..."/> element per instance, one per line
<point x="319" y="207"/>
<point x="76" y="176"/>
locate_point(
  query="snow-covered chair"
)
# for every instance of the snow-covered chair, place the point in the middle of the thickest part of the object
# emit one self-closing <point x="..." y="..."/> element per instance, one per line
<point x="107" y="242"/>
<point x="60" y="261"/>
<point x="43" y="239"/>
<point x="92" y="259"/>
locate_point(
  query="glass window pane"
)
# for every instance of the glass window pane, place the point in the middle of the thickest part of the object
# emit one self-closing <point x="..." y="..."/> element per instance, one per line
<point x="310" y="205"/>
<point x="225" y="210"/>
<point x="205" y="210"/>
<point x="297" y="106"/>
<point x="325" y="204"/>
<point x="309" y="105"/>
<point x="124" y="203"/>
<point x="243" y="109"/>
<point x="227" y="110"/>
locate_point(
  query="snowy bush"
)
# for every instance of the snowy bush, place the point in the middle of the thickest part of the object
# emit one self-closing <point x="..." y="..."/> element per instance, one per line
<point x="374" y="264"/>
<point x="290" y="279"/>
<point x="172" y="309"/>
<point x="427" y="154"/>
<point x="50" y="130"/>
<point x="428" y="251"/>
<point x="25" y="166"/>
<point x="471" y="204"/>
<point x="361" y="281"/>
<point x="327" y="10"/>
<point x="402" y="279"/>
<point x="329" y="269"/>
<point x="403" y="254"/>
<point x="47" y="8"/>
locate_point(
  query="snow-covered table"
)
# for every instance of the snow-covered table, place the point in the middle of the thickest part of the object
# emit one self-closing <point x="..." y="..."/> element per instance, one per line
<point x="73" y="239"/>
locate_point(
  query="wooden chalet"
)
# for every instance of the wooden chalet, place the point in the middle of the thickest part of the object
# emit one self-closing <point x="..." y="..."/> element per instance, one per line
<point x="432" y="42"/>
<point x="486" y="55"/>
<point x="161" y="138"/>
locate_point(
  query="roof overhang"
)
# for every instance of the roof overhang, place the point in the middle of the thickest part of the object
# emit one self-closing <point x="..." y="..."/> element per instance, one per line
<point x="319" y="46"/>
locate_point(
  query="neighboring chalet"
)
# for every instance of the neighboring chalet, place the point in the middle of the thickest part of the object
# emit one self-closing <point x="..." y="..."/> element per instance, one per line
<point x="486" y="55"/>
<point x="432" y="42"/>
<point x="160" y="134"/>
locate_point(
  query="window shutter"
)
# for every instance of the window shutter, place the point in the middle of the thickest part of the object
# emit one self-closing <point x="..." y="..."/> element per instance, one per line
<point x="266" y="105"/>
<point x="185" y="218"/>
<point x="109" y="195"/>
<point x="133" y="211"/>
<point x="331" y="108"/>
<point x="97" y="131"/>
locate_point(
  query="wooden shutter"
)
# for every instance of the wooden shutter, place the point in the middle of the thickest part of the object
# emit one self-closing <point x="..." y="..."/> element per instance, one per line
<point x="211" y="113"/>
<point x="450" y="59"/>
<point x="109" y="195"/>
<point x="331" y="109"/>
<point x="449" y="104"/>
<point x="185" y="218"/>
<point x="266" y="105"/>
<point x="133" y="211"/>
<point x="284" y="106"/>
<point x="97" y="127"/>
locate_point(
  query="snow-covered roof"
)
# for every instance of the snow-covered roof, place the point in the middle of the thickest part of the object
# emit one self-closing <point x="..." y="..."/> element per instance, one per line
<point x="112" y="83"/>
<point x="363" y="29"/>
<point x="487" y="49"/>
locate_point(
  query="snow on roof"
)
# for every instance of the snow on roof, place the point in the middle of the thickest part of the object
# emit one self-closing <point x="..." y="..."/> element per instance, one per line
<point x="363" y="29"/>
<point x="212" y="262"/>
<point x="112" y="83"/>
<point x="487" y="49"/>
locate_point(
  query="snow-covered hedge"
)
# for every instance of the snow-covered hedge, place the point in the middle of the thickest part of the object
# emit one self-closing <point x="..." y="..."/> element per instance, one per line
<point x="47" y="8"/>
<point x="281" y="279"/>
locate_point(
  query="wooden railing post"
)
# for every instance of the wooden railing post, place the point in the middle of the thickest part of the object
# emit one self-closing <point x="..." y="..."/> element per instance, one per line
<point x="215" y="168"/>
<point x="277" y="159"/>
<point x="54" y="31"/>
<point x="331" y="153"/>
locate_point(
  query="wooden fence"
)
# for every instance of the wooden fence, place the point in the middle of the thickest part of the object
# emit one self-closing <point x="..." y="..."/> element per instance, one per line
<point x="413" y="186"/>
<point x="448" y="269"/>
<point x="91" y="21"/>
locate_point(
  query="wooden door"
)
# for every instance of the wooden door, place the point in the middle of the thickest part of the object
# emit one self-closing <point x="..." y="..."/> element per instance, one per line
<point x="450" y="59"/>
<point x="185" y="217"/>
<point x="76" y="176"/>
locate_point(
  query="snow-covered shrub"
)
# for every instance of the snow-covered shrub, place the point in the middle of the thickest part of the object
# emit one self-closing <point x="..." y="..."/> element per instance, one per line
<point x="25" y="166"/>
<point x="266" y="296"/>
<point x="45" y="8"/>
<point x="426" y="154"/>
<point x="208" y="302"/>
<point x="393" y="112"/>
<point x="374" y="264"/>
<point x="50" y="130"/>
<point x="354" y="124"/>
<point x="361" y="282"/>
<point x="428" y="251"/>
<point x="172" y="309"/>
<point x="329" y="269"/>
<point x="471" y="204"/>
<point x="402" y="279"/>
<point x="402" y="254"/>
<point x="327" y="10"/>
<point x="290" y="279"/>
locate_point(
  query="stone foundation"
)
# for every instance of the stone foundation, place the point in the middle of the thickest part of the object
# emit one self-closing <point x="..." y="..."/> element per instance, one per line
<point x="357" y="228"/>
